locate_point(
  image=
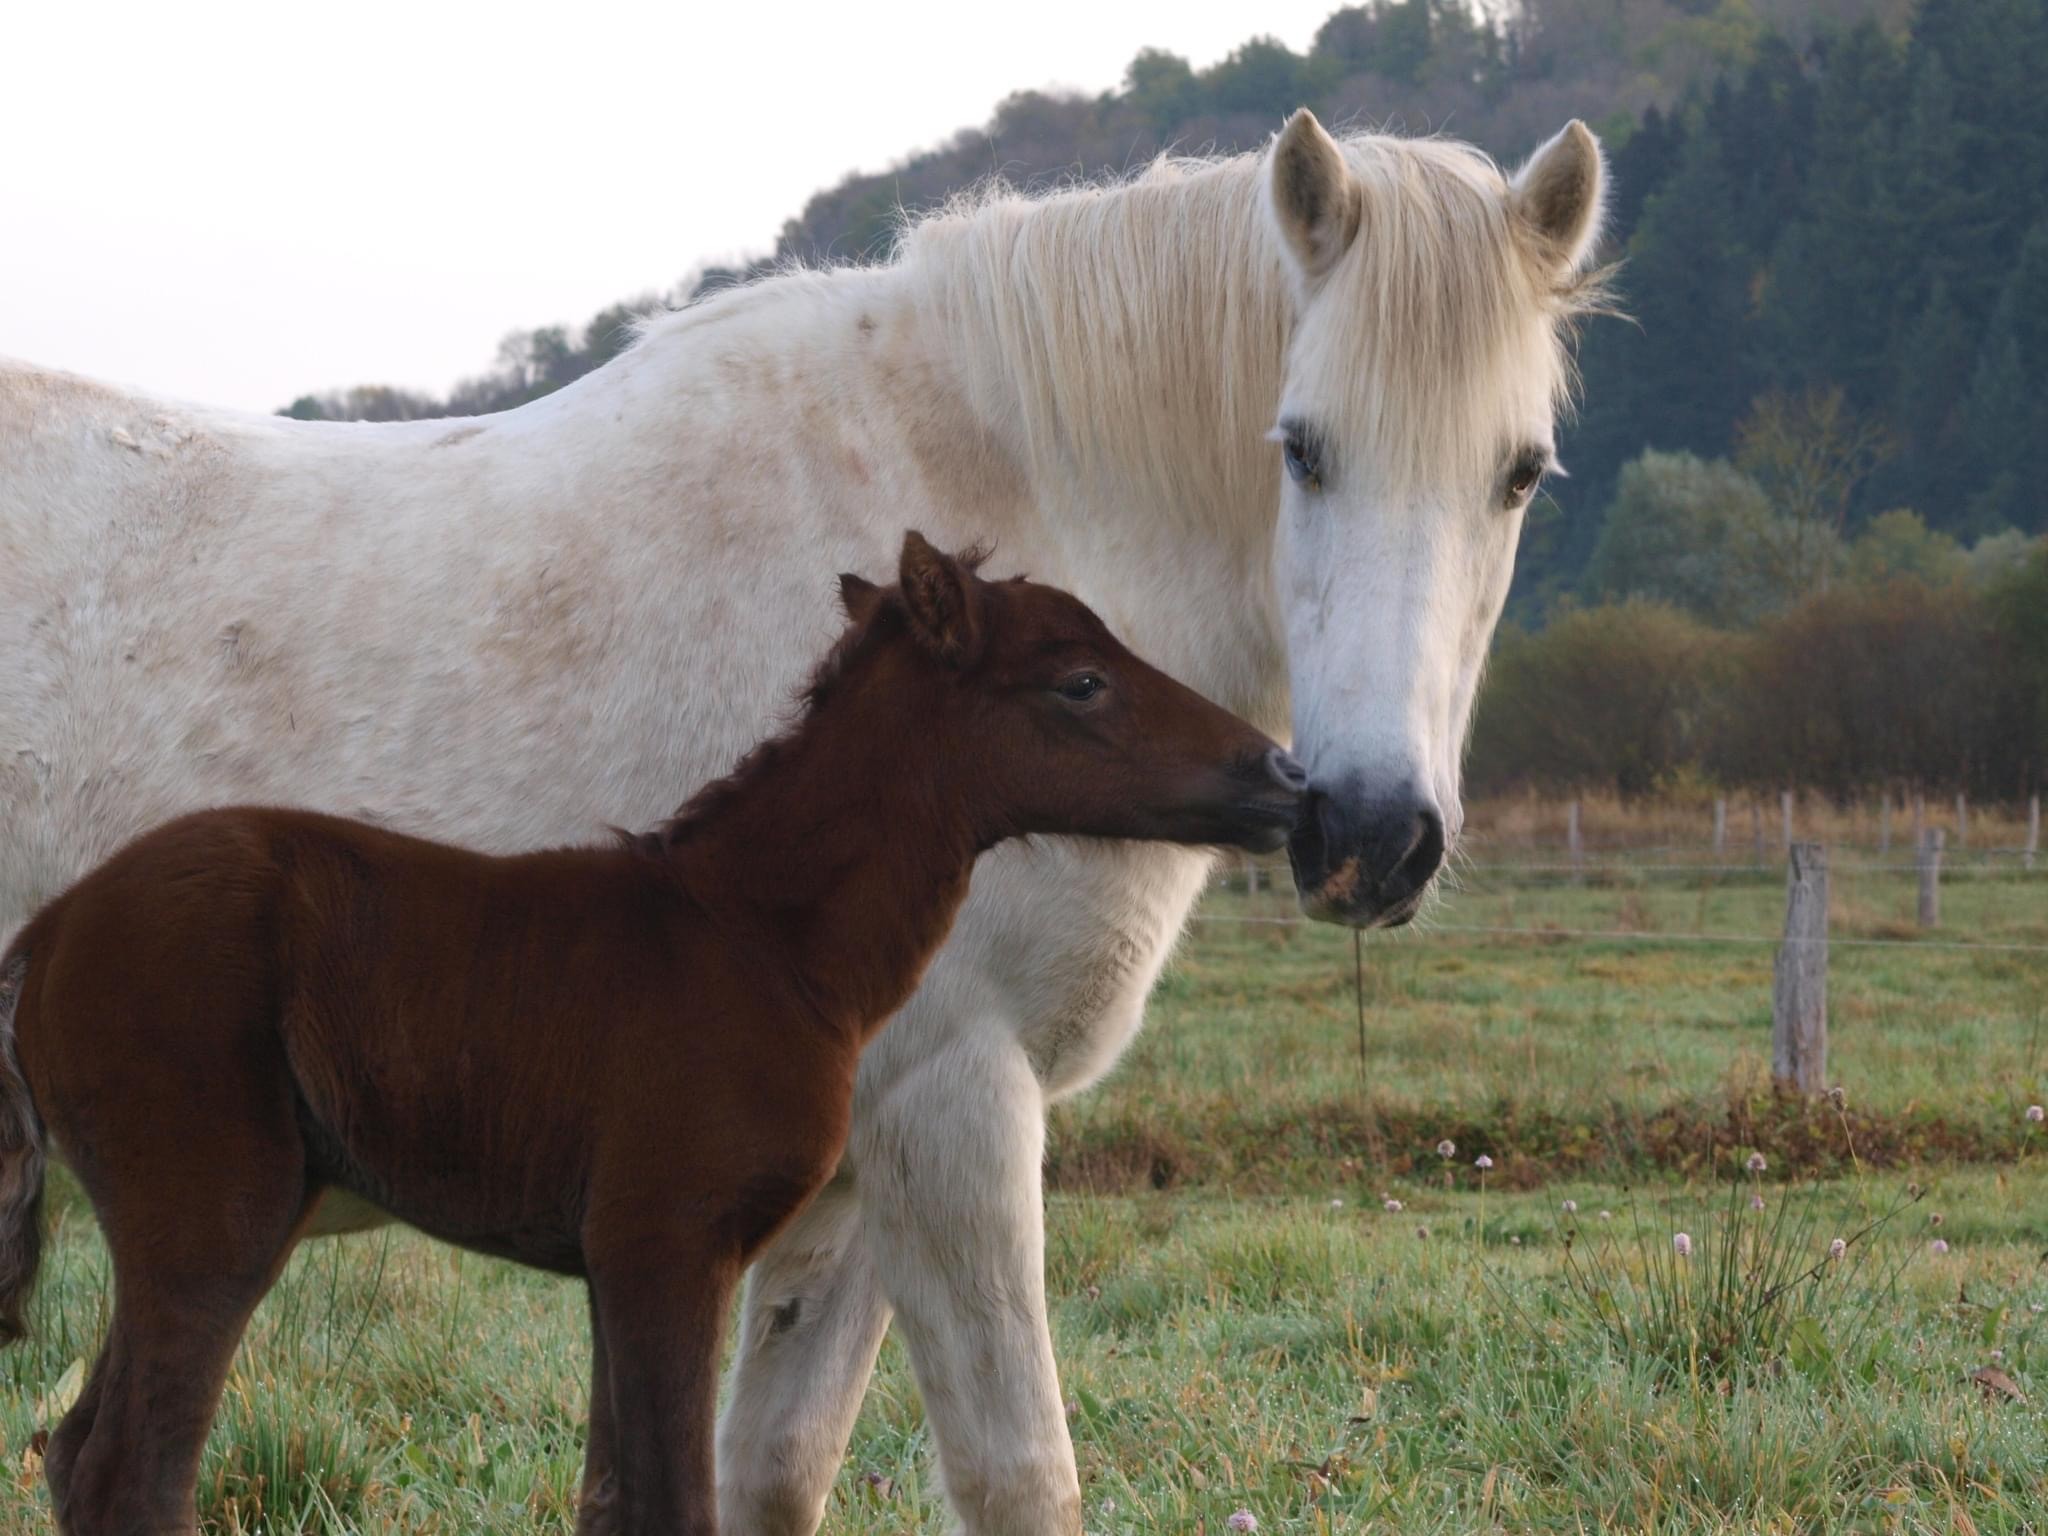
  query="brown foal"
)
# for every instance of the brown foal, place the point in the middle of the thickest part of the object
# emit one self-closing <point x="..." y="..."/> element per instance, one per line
<point x="631" y="1062"/>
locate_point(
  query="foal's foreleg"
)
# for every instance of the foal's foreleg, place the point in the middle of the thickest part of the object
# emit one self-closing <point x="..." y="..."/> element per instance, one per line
<point x="660" y="1300"/>
<point x="597" y="1502"/>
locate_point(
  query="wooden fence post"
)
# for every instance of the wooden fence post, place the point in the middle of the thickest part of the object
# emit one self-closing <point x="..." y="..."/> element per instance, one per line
<point x="1962" y="820"/>
<point x="1251" y="876"/>
<point x="1919" y="823"/>
<point x="1574" y="844"/>
<point x="1930" y="878"/>
<point x="2033" y="829"/>
<point x="1756" y="833"/>
<point x="1785" y="807"/>
<point x="1720" y="825"/>
<point x="1884" y="823"/>
<point x="1799" y="980"/>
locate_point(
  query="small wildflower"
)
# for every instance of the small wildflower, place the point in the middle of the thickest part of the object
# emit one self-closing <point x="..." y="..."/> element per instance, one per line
<point x="1997" y="1354"/>
<point x="2036" y="1114"/>
<point x="1242" y="1520"/>
<point x="1514" y="1241"/>
<point x="1482" y="1162"/>
<point x="1447" y="1148"/>
<point x="1336" y="1205"/>
<point x="1681" y="1244"/>
<point x="1940" y="1245"/>
<point x="1393" y="1207"/>
<point x="1571" y="1207"/>
<point x="1837" y="1248"/>
<point x="1838" y="1097"/>
<point x="1756" y="1202"/>
<point x="1422" y="1232"/>
<point x="1934" y="1220"/>
<point x="2034" y="1307"/>
<point x="1607" y="1215"/>
<point x="1756" y="1162"/>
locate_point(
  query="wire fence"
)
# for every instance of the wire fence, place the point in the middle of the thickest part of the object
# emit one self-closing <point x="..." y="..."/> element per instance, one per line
<point x="1481" y="880"/>
<point x="1636" y="936"/>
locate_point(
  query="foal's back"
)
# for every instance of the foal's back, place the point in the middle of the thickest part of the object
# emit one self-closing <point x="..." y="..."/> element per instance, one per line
<point x="456" y="1038"/>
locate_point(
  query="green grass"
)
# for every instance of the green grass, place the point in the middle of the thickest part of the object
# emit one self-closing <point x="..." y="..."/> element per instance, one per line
<point x="1558" y="1056"/>
<point x="1238" y="1339"/>
<point x="1323" y="1367"/>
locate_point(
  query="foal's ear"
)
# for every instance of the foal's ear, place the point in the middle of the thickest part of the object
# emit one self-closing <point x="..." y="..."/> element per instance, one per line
<point x="856" y="595"/>
<point x="1317" y="203"/>
<point x="943" y="601"/>
<point x="1561" y="194"/>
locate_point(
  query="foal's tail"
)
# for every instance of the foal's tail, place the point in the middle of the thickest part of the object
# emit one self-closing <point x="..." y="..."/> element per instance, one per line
<point x="21" y="1161"/>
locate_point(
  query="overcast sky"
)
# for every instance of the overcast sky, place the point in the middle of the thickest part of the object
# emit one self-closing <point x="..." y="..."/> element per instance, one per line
<point x="241" y="203"/>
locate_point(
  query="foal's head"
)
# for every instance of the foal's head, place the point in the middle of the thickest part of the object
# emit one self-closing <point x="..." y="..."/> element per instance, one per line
<point x="1052" y="725"/>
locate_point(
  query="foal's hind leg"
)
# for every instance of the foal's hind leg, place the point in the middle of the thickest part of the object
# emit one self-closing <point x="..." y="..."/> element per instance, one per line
<point x="198" y="1177"/>
<point x="126" y="1457"/>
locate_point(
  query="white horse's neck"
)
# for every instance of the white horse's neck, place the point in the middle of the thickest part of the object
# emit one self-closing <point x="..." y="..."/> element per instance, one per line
<point x="1130" y="340"/>
<point x="1115" y="351"/>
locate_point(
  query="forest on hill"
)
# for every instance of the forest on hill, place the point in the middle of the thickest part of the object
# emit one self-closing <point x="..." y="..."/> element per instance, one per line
<point x="1832" y="223"/>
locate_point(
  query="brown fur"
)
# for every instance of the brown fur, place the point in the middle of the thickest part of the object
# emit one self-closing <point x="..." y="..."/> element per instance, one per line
<point x="631" y="1063"/>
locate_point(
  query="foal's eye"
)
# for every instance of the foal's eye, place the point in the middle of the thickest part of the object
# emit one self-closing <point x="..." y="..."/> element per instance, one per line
<point x="1081" y="687"/>
<point x="1303" y="457"/>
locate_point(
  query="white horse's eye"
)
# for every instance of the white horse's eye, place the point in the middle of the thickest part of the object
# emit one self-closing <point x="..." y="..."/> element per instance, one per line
<point x="1303" y="461"/>
<point x="1523" y="478"/>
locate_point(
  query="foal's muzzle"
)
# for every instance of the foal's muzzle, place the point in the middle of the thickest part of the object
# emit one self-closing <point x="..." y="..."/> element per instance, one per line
<point x="1366" y="862"/>
<point x="1269" y="805"/>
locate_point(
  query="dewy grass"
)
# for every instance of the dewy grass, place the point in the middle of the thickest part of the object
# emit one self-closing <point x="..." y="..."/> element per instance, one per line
<point x="1703" y="1293"/>
<point x="1321" y="1368"/>
<point x="1232" y="1342"/>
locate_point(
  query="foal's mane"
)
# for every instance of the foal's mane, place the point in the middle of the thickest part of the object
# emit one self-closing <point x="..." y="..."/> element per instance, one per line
<point x="884" y="620"/>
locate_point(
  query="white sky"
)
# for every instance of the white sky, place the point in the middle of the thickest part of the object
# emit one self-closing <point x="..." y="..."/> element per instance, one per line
<point x="239" y="203"/>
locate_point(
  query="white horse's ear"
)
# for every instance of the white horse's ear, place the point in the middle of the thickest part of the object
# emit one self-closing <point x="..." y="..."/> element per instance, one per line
<point x="1561" y="194"/>
<point x="1316" y="201"/>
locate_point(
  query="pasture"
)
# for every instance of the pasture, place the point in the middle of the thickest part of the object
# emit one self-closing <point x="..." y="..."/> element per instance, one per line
<point x="1244" y="1326"/>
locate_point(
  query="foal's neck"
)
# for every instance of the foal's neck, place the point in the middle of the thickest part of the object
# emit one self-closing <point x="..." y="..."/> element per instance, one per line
<point x="848" y="844"/>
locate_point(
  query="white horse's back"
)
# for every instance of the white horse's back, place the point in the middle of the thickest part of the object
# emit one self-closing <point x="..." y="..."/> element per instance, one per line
<point x="508" y="630"/>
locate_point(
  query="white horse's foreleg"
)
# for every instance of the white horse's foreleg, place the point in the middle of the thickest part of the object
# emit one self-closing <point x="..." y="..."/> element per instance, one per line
<point x="951" y="1195"/>
<point x="813" y="1319"/>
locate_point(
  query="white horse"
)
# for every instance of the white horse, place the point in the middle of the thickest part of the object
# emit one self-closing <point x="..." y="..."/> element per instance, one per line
<point x="1277" y="417"/>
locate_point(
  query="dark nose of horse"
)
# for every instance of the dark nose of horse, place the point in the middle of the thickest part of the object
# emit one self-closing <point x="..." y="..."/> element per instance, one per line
<point x="1366" y="862"/>
<point x="1283" y="770"/>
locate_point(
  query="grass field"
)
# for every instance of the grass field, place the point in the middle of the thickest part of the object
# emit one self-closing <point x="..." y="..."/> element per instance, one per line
<point x="1242" y="1323"/>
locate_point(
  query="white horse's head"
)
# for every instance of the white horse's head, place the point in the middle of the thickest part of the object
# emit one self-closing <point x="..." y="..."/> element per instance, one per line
<point x="1426" y="369"/>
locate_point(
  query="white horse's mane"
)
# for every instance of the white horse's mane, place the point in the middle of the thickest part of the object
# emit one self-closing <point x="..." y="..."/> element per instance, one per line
<point x="1127" y="315"/>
